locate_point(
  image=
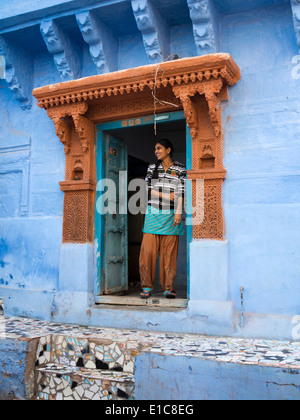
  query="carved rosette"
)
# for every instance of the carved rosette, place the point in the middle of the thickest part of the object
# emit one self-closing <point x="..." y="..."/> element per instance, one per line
<point x="196" y="85"/>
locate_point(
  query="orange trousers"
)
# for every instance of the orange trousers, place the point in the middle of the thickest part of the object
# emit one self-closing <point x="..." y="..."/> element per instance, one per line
<point x="167" y="249"/>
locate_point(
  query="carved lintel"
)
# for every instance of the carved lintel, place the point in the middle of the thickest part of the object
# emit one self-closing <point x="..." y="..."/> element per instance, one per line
<point x="63" y="132"/>
<point x="85" y="130"/>
<point x="215" y="68"/>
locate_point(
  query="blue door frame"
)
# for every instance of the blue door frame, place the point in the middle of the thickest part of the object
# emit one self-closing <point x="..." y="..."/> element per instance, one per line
<point x="101" y="131"/>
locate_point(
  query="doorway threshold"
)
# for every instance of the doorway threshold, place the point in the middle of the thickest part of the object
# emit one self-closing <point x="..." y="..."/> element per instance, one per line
<point x="161" y="302"/>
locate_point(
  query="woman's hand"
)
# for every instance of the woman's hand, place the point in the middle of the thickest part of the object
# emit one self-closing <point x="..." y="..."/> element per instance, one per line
<point x="165" y="196"/>
<point x="172" y="196"/>
<point x="177" y="220"/>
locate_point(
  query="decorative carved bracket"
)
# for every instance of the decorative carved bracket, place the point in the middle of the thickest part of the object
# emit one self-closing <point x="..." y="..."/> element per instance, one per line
<point x="155" y="32"/>
<point x="196" y="85"/>
<point x="203" y="26"/>
<point x="62" y="121"/>
<point x="214" y="105"/>
<point x="60" y="46"/>
<point x="19" y="82"/>
<point x="103" y="44"/>
<point x="85" y="129"/>
<point x="63" y="132"/>
<point x="295" y="5"/>
<point x="210" y="89"/>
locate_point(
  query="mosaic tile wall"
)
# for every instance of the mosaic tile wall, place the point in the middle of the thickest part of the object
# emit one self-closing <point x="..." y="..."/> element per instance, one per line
<point x="66" y="383"/>
<point x="75" y="368"/>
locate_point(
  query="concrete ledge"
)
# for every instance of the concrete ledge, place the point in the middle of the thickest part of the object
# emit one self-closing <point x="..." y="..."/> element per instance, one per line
<point x="200" y="317"/>
<point x="220" y="317"/>
<point x="193" y="379"/>
<point x="72" y="307"/>
<point x="27" y="303"/>
<point x="270" y="326"/>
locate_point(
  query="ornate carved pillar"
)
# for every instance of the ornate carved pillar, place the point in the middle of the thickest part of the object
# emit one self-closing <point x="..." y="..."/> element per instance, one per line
<point x="202" y="106"/>
<point x="77" y="133"/>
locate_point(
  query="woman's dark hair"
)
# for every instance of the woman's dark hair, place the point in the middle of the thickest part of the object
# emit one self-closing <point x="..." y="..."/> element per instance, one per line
<point x="168" y="145"/>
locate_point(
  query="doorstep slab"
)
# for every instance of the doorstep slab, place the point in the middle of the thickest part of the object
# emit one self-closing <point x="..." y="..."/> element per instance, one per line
<point x="222" y="349"/>
<point x="161" y="302"/>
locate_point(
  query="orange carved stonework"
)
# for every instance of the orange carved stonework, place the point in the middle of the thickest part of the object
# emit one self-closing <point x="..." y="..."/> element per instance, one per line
<point x="197" y="85"/>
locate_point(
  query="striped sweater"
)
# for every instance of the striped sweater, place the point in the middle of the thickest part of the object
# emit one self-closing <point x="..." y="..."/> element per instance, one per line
<point x="173" y="180"/>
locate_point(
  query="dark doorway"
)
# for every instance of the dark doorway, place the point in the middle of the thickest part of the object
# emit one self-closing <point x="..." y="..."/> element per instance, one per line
<point x="140" y="141"/>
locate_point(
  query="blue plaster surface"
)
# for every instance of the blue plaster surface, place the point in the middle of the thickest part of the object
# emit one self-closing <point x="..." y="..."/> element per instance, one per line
<point x="29" y="262"/>
<point x="237" y="6"/>
<point x="211" y="282"/>
<point x="261" y="155"/>
<point x="76" y="263"/>
<point x="12" y="372"/>
<point x="190" y="379"/>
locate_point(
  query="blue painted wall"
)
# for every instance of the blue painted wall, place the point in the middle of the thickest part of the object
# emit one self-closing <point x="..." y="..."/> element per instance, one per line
<point x="192" y="379"/>
<point x="262" y="150"/>
<point x="13" y="356"/>
<point x="261" y="147"/>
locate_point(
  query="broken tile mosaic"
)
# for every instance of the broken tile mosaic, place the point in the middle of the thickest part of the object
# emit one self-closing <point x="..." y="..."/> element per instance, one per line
<point x="74" y="362"/>
<point x="57" y="382"/>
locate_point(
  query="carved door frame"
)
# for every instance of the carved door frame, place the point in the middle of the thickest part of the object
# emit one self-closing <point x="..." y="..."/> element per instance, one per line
<point x="197" y="85"/>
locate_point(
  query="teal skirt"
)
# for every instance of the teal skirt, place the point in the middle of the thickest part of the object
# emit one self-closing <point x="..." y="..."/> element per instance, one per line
<point x="160" y="222"/>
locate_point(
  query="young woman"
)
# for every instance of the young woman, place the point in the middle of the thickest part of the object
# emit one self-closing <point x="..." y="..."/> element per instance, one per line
<point x="163" y="222"/>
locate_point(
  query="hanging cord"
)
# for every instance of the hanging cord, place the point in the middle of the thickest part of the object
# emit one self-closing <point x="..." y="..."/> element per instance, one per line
<point x="154" y="90"/>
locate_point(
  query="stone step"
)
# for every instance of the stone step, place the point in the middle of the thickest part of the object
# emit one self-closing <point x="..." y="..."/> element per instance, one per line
<point x="95" y="353"/>
<point x="72" y="367"/>
<point x="57" y="382"/>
